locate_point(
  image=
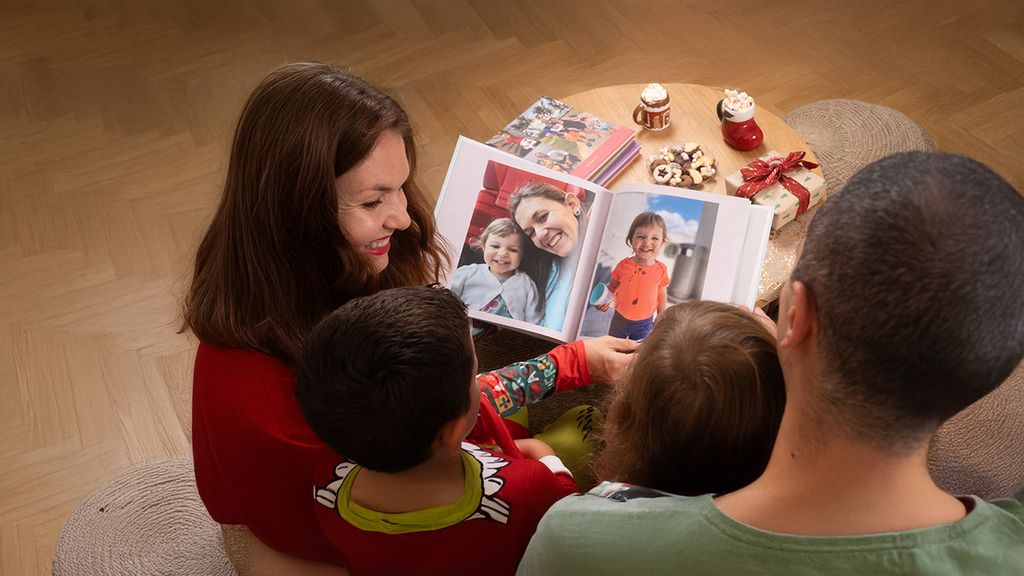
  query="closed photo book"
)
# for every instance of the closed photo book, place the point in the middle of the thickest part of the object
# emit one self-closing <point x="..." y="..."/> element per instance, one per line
<point x="563" y="258"/>
<point x="555" y="135"/>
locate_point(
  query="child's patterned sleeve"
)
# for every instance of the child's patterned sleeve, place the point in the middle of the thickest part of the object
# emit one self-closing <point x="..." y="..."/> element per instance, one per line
<point x="524" y="383"/>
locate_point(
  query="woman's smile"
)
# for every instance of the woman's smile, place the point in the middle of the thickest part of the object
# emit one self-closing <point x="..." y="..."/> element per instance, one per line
<point x="554" y="239"/>
<point x="379" y="247"/>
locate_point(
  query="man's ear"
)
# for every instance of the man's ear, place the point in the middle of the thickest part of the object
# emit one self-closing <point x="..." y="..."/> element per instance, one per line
<point x="801" y="318"/>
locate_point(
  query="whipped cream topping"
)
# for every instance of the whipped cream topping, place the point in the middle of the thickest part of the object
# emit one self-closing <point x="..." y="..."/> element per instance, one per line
<point x="654" y="93"/>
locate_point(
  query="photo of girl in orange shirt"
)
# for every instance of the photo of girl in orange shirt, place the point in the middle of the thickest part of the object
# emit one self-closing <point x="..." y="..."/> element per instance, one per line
<point x="639" y="282"/>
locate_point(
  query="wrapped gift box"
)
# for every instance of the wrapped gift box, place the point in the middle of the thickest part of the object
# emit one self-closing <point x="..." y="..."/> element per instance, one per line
<point x="783" y="201"/>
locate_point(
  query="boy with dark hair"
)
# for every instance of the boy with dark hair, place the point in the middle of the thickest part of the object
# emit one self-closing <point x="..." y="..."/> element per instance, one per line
<point x="388" y="381"/>
<point x="905" y="307"/>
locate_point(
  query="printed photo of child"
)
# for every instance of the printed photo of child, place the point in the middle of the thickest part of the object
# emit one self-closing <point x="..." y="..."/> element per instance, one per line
<point x="639" y="282"/>
<point x="497" y="286"/>
<point x="653" y="255"/>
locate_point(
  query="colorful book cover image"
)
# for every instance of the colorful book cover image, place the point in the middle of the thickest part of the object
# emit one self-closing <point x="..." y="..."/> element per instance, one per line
<point x="553" y="134"/>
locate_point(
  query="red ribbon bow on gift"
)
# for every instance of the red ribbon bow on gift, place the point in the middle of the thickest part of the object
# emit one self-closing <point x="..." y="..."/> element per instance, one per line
<point x="761" y="174"/>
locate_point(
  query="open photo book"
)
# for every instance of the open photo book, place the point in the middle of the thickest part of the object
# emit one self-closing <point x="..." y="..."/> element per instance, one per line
<point x="563" y="258"/>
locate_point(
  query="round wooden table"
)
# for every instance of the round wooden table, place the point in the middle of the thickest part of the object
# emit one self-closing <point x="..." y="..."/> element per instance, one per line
<point x="693" y="119"/>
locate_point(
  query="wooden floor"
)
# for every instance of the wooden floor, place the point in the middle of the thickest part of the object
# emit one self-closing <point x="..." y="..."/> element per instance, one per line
<point x="116" y="116"/>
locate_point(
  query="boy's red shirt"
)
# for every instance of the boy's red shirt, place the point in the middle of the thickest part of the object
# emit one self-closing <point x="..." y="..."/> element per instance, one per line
<point x="487" y="536"/>
<point x="255" y="455"/>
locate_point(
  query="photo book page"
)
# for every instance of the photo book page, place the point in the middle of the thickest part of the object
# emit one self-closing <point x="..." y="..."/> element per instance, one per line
<point x="561" y="257"/>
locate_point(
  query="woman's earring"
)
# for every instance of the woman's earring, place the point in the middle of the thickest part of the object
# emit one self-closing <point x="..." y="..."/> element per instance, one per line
<point x="576" y="212"/>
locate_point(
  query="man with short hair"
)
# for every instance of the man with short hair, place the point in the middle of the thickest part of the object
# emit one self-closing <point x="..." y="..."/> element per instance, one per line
<point x="905" y="307"/>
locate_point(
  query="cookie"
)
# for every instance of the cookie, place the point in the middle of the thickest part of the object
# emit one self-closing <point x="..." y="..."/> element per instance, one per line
<point x="683" y="165"/>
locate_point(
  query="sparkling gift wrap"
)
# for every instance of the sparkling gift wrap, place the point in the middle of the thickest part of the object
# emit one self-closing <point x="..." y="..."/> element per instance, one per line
<point x="779" y="180"/>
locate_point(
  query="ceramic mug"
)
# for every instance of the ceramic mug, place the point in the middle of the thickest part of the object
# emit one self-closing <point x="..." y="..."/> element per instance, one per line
<point x="652" y="118"/>
<point x="653" y="111"/>
<point x="739" y="129"/>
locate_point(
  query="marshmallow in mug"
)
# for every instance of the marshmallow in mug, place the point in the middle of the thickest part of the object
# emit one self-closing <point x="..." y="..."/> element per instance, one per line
<point x="737" y="101"/>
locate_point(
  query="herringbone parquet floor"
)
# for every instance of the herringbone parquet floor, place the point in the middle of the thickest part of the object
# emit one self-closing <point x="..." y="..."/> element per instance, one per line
<point x="116" y="117"/>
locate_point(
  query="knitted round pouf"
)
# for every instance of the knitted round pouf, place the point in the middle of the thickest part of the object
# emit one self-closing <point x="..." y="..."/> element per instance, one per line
<point x="847" y="135"/>
<point x="147" y="520"/>
<point x="978" y="451"/>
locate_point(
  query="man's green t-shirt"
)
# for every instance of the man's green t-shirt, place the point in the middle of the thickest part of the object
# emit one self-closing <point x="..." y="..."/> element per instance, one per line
<point x="621" y="529"/>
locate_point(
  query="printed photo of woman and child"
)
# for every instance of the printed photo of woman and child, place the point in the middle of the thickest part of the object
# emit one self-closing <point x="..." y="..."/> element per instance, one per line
<point x="654" y="253"/>
<point x="522" y="248"/>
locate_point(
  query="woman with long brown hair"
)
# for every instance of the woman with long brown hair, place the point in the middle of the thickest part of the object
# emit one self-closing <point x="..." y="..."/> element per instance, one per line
<point x="319" y="207"/>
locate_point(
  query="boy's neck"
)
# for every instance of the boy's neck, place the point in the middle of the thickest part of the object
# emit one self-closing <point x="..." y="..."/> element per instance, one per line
<point x="439" y="481"/>
<point x="830" y="484"/>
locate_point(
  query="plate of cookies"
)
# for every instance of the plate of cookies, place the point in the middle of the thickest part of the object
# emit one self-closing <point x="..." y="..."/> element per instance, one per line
<point x="682" y="165"/>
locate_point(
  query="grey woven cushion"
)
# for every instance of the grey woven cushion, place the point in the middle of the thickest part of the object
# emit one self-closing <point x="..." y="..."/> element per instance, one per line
<point x="981" y="450"/>
<point x="847" y="135"/>
<point x="148" y="520"/>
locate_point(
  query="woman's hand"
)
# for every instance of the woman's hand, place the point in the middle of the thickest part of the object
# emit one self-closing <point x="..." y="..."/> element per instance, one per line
<point x="608" y="358"/>
<point x="533" y="448"/>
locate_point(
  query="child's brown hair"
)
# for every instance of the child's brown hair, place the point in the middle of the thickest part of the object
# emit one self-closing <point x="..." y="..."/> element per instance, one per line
<point x="701" y="405"/>
<point x="502" y="228"/>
